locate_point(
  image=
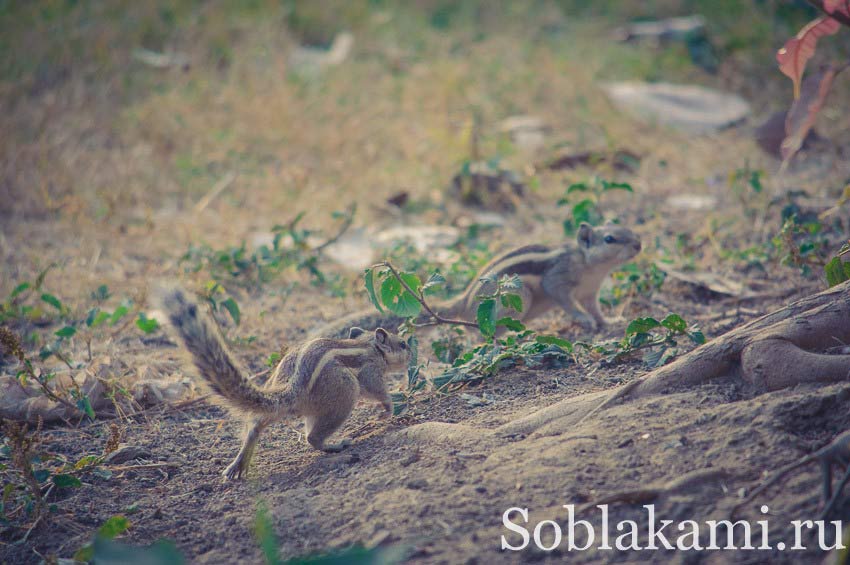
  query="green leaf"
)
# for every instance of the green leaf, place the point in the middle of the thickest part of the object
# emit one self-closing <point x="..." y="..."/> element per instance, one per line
<point x="697" y="337"/>
<point x="653" y="357"/>
<point x="606" y="186"/>
<point x="39" y="280"/>
<point x="642" y="325"/>
<point x="98" y="319"/>
<point x="511" y="300"/>
<point x="577" y="187"/>
<point x="67" y="331"/>
<point x="52" y="300"/>
<point x="19" y="289"/>
<point x="395" y="297"/>
<point x="119" y="313"/>
<point x="233" y="308"/>
<point x="101" y="293"/>
<point x="587" y="211"/>
<point x="675" y="323"/>
<point x="511" y="323"/>
<point x="265" y="533"/>
<point x="554" y="340"/>
<point x="272" y="360"/>
<point x="86" y="461"/>
<point x="369" y="279"/>
<point x="85" y="554"/>
<point x="66" y="481"/>
<point x="486" y="317"/>
<point x="114" y="526"/>
<point x="84" y="404"/>
<point x="147" y="325"/>
<point x="836" y="271"/>
<point x="41" y="475"/>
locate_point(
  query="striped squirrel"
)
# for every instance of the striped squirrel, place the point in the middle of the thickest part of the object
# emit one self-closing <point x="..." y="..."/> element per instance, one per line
<point x="320" y="381"/>
<point x="567" y="276"/>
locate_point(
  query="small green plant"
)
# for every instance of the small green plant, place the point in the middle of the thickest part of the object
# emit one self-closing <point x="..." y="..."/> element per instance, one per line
<point x="265" y="534"/>
<point x="657" y="338"/>
<point x="472" y="254"/>
<point x="212" y="294"/>
<point x="403" y="294"/>
<point x="801" y="245"/>
<point x="583" y="200"/>
<point x="631" y="280"/>
<point x="747" y="185"/>
<point x="837" y="270"/>
<point x="290" y="248"/>
<point x="28" y="301"/>
<point x="520" y="347"/>
<point x="74" y="399"/>
<point x="273" y="359"/>
<point x="31" y="473"/>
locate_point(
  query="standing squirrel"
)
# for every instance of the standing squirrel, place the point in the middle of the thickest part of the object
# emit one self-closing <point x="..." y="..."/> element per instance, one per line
<point x="568" y="276"/>
<point x="320" y="381"/>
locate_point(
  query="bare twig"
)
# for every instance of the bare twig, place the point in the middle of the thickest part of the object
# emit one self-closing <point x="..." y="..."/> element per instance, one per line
<point x="837" y="452"/>
<point x="219" y="187"/>
<point x="654" y="491"/>
<point x="349" y="218"/>
<point x="421" y="299"/>
<point x="143" y="466"/>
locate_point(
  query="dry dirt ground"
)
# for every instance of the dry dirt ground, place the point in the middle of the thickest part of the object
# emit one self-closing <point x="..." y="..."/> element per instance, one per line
<point x="105" y="159"/>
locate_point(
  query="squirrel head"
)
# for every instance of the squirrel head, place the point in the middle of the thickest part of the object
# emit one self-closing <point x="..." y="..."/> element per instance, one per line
<point x="394" y="349"/>
<point x="607" y="244"/>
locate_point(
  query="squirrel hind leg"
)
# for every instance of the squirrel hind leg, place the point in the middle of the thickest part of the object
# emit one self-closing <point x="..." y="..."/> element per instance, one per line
<point x="238" y="469"/>
<point x="322" y="426"/>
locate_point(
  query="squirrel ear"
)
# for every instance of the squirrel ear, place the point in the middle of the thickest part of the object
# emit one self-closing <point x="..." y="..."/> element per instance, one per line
<point x="355" y="332"/>
<point x="381" y="335"/>
<point x="585" y="234"/>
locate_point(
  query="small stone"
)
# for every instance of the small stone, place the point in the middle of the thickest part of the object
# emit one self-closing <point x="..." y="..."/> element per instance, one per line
<point x="688" y="108"/>
<point x="417" y="484"/>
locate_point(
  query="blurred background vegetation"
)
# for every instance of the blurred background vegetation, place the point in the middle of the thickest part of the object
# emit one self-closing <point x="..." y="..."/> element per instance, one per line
<point x="90" y="129"/>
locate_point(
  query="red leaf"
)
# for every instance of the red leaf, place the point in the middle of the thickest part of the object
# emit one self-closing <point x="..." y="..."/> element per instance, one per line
<point x="798" y="50"/>
<point x="804" y="110"/>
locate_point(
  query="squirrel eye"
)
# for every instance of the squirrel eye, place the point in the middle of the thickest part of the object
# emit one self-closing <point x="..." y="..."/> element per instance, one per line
<point x="609" y="239"/>
<point x="403" y="345"/>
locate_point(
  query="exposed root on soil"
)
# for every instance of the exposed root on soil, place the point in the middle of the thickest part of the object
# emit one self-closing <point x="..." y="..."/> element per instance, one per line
<point x="770" y="353"/>
<point x="655" y="491"/>
<point x="837" y="452"/>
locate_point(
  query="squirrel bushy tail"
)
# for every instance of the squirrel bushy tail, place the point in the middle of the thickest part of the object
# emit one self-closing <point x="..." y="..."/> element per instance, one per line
<point x="215" y="363"/>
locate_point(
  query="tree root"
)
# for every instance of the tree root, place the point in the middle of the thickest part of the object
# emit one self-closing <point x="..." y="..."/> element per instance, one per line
<point x="770" y="353"/>
<point x="653" y="492"/>
<point x="837" y="452"/>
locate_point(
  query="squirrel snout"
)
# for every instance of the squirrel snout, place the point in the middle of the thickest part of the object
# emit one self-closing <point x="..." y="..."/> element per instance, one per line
<point x="636" y="245"/>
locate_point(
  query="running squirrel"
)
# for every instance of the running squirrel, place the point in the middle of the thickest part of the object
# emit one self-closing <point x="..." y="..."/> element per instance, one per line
<point x="319" y="381"/>
<point x="567" y="276"/>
